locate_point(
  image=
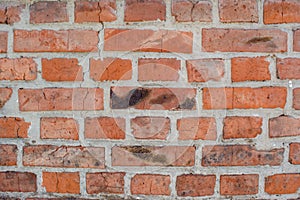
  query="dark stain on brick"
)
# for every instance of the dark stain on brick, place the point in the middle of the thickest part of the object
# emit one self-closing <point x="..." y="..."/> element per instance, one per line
<point x="132" y="98"/>
<point x="164" y="98"/>
<point x="146" y="154"/>
<point x="187" y="104"/>
<point x="137" y="96"/>
<point x="259" y="39"/>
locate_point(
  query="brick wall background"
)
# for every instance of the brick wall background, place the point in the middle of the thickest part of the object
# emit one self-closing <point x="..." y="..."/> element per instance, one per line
<point x="150" y="99"/>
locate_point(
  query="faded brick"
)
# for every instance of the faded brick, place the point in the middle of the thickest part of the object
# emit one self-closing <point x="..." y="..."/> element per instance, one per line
<point x="150" y="184"/>
<point x="8" y="155"/>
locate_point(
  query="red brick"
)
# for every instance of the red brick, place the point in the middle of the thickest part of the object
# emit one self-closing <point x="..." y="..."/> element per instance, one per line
<point x="13" y="127"/>
<point x="193" y="185"/>
<point x="104" y="128"/>
<point x="153" y="98"/>
<point x="48" y="12"/>
<point x="250" y="69"/>
<point x="240" y="155"/>
<point x="59" y="128"/>
<point x="195" y="128"/>
<point x="202" y="70"/>
<point x="18" y="69"/>
<point x="296" y="98"/>
<point x="150" y="128"/>
<point x="238" y="11"/>
<point x="244" y="40"/>
<point x="55" y="41"/>
<point x="10" y="14"/>
<point x="99" y="11"/>
<point x="64" y="182"/>
<point x="61" y="99"/>
<point x="3" y="41"/>
<point x="105" y="182"/>
<point x="17" y="182"/>
<point x="61" y="69"/>
<point x="296" y="41"/>
<point x="150" y="184"/>
<point x="110" y="69"/>
<point x="239" y="184"/>
<point x="189" y="11"/>
<point x="244" y="98"/>
<point x="153" y="156"/>
<point x="242" y="127"/>
<point x="5" y="94"/>
<point x="282" y="183"/>
<point x="8" y="155"/>
<point x="161" y="69"/>
<point x="63" y="156"/>
<point x="148" y="40"/>
<point x="144" y="10"/>
<point x="288" y="68"/>
<point x="278" y="11"/>
<point x="294" y="155"/>
<point x="284" y="126"/>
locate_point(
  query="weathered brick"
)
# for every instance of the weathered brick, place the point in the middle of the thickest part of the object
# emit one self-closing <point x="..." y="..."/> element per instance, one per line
<point x="162" y="69"/>
<point x="63" y="156"/>
<point x="3" y="41"/>
<point x="18" y="69"/>
<point x="105" y="182"/>
<point x="296" y="41"/>
<point x="148" y="40"/>
<point x="282" y="183"/>
<point x="279" y="11"/>
<point x="5" y="94"/>
<point x="110" y="69"/>
<point x="244" y="40"/>
<point x="64" y="182"/>
<point x="153" y="156"/>
<point x="145" y="10"/>
<point x="189" y="11"/>
<point x="239" y="155"/>
<point x="245" y="184"/>
<point x="95" y="11"/>
<point x="150" y="128"/>
<point x="294" y="155"/>
<point x="104" y="128"/>
<point x="8" y="154"/>
<point x="193" y="185"/>
<point x="153" y="98"/>
<point x="195" y="128"/>
<point x="10" y="13"/>
<point x="244" y="98"/>
<point x="296" y="98"/>
<point x="284" y="126"/>
<point x="48" y="12"/>
<point x="17" y="181"/>
<point x="13" y="127"/>
<point x="250" y="69"/>
<point x="288" y="68"/>
<point x="238" y="11"/>
<point x="59" y="128"/>
<point x="61" y="69"/>
<point x="60" y="99"/>
<point x="202" y="70"/>
<point x="150" y="184"/>
<point x="242" y="127"/>
<point x="55" y="41"/>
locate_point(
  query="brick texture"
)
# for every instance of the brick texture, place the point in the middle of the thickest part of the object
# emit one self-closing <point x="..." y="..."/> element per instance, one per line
<point x="8" y="155"/>
<point x="17" y="181"/>
<point x="288" y="68"/>
<point x="150" y="184"/>
<point x="239" y="184"/>
<point x="13" y="127"/>
<point x="282" y="183"/>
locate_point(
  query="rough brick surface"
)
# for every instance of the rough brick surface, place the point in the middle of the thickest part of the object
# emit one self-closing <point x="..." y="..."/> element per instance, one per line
<point x="13" y="127"/>
<point x="17" y="181"/>
<point x="242" y="127"/>
<point x="150" y="184"/>
<point x="64" y="182"/>
<point x="193" y="185"/>
<point x="244" y="40"/>
<point x="5" y="94"/>
<point x="59" y="128"/>
<point x="8" y="155"/>
<point x="282" y="183"/>
<point x="288" y="68"/>
<point x="3" y="41"/>
<point x="10" y="14"/>
<point x="145" y="10"/>
<point x="105" y="182"/>
<point x="61" y="69"/>
<point x="48" y="12"/>
<point x="294" y="156"/>
<point x="190" y="11"/>
<point x="284" y="126"/>
<point x="239" y="184"/>
<point x="296" y="99"/>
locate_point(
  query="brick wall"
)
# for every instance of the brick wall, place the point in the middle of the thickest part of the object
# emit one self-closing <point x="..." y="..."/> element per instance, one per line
<point x="150" y="99"/>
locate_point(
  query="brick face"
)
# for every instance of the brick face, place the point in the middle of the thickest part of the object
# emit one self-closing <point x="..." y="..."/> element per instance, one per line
<point x="3" y="41"/>
<point x="282" y="183"/>
<point x="10" y="14"/>
<point x="150" y="184"/>
<point x="13" y="127"/>
<point x="288" y="68"/>
<point x="8" y="154"/>
<point x="239" y="184"/>
<point x="17" y="181"/>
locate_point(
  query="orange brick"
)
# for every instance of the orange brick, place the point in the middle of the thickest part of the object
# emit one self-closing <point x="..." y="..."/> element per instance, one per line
<point x="5" y="94"/>
<point x="239" y="184"/>
<point x="17" y="181"/>
<point x="3" y="41"/>
<point x="150" y="184"/>
<point x="8" y="155"/>
<point x="13" y="127"/>
<point x="10" y="14"/>
<point x="296" y="98"/>
<point x="288" y="68"/>
<point x="284" y="126"/>
<point x="282" y="183"/>
<point x="294" y="155"/>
